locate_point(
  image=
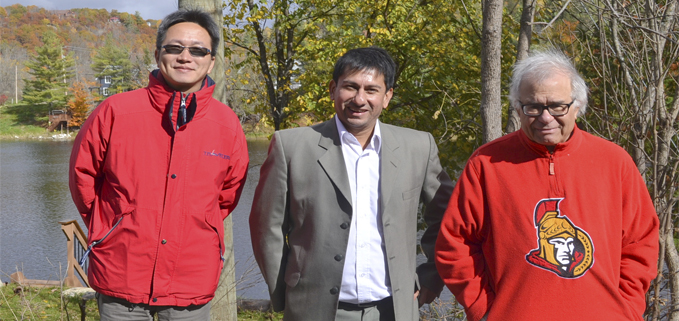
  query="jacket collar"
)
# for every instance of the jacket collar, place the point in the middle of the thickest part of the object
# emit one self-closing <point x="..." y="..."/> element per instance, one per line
<point x="167" y="100"/>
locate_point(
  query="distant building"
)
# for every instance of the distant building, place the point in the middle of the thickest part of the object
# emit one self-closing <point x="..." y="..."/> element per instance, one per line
<point x="104" y="84"/>
<point x="114" y="20"/>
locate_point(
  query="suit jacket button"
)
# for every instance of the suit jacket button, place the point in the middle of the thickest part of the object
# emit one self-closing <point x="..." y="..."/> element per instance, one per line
<point x="344" y="226"/>
<point x="334" y="290"/>
<point x="338" y="257"/>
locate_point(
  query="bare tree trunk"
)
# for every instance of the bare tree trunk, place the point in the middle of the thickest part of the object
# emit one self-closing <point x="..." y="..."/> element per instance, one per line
<point x="491" y="85"/>
<point x="522" y="47"/>
<point x="224" y="305"/>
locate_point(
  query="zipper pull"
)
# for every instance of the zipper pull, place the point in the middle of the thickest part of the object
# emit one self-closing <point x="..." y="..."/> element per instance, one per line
<point x="551" y="165"/>
<point x="181" y="117"/>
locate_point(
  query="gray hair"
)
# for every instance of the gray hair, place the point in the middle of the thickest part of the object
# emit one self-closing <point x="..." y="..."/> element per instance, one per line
<point x="542" y="64"/>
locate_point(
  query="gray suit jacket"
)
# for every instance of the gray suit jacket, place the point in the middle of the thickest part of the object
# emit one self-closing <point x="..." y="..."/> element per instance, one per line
<point x="301" y="215"/>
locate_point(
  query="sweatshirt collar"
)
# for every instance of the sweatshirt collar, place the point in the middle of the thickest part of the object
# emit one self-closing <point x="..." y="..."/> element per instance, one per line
<point x="566" y="147"/>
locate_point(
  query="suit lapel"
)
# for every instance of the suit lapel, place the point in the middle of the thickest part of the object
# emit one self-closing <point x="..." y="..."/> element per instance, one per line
<point x="332" y="161"/>
<point x="389" y="161"/>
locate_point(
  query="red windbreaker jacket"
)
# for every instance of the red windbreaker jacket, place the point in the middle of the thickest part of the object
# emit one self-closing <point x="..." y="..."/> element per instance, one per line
<point x="154" y="191"/>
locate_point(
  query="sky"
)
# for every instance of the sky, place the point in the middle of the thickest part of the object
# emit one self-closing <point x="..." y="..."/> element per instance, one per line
<point x="149" y="9"/>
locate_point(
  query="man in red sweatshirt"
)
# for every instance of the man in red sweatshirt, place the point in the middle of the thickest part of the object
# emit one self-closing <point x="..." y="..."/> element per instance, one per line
<point x="549" y="213"/>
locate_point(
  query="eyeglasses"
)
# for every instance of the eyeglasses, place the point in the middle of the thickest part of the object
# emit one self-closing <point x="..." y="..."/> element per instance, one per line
<point x="194" y="51"/>
<point x="535" y="110"/>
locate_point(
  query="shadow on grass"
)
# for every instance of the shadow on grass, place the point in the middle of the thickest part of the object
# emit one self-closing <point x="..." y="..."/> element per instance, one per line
<point x="29" y="114"/>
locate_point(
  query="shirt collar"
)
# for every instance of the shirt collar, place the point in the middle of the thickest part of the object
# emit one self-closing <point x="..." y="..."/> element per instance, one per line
<point x="346" y="136"/>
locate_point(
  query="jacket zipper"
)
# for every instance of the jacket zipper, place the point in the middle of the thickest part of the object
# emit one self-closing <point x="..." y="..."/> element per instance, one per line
<point x="181" y="118"/>
<point x="97" y="242"/>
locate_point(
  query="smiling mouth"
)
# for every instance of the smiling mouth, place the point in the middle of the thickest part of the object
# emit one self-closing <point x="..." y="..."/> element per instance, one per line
<point x="354" y="109"/>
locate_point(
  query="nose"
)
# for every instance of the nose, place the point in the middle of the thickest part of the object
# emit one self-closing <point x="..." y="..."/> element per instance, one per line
<point x="545" y="117"/>
<point x="185" y="55"/>
<point x="359" y="98"/>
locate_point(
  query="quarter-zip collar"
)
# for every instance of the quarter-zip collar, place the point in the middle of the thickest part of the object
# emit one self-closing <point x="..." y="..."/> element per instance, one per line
<point x="570" y="145"/>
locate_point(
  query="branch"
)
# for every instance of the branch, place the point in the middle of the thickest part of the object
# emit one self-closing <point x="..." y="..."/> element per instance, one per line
<point x="555" y="17"/>
<point x="471" y="21"/>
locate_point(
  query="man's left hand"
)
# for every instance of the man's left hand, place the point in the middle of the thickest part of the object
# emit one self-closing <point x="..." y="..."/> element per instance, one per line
<point x="425" y="296"/>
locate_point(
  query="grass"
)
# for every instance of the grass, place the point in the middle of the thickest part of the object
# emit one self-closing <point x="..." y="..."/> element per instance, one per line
<point x="34" y="303"/>
<point x="11" y="129"/>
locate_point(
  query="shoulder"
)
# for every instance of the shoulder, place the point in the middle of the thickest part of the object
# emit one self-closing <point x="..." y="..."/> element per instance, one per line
<point x="605" y="151"/>
<point x="414" y="141"/>
<point x="500" y="146"/>
<point x="404" y="132"/>
<point x="220" y="111"/>
<point x="123" y="103"/>
<point x="313" y="132"/>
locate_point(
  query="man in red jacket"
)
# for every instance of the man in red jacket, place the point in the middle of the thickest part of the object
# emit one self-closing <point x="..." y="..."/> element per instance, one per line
<point x="549" y="213"/>
<point x="153" y="173"/>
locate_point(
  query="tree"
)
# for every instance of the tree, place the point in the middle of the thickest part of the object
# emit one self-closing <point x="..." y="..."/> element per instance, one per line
<point x="79" y="106"/>
<point x="48" y="89"/>
<point x="522" y="46"/>
<point x="113" y="61"/>
<point x="491" y="83"/>
<point x="269" y="35"/>
<point x="224" y="305"/>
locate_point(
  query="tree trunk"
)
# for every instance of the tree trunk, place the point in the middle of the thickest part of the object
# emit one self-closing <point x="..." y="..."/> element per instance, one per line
<point x="491" y="84"/>
<point x="224" y="304"/>
<point x="522" y="47"/>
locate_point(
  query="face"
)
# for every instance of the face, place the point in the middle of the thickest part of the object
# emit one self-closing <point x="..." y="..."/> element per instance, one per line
<point x="359" y="99"/>
<point x="184" y="72"/>
<point x="546" y="129"/>
<point x="563" y="249"/>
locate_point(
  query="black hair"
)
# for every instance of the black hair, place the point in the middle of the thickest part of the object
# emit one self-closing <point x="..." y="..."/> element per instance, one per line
<point x="371" y="58"/>
<point x="196" y="16"/>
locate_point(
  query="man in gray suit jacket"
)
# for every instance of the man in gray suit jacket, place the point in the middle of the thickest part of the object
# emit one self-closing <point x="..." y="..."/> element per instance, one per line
<point x="335" y="213"/>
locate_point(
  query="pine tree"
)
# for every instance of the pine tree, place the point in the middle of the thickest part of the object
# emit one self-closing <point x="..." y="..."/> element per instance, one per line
<point x="51" y="70"/>
<point x="114" y="61"/>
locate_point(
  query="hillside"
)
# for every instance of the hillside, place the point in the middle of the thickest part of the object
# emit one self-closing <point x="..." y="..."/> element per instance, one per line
<point x="82" y="31"/>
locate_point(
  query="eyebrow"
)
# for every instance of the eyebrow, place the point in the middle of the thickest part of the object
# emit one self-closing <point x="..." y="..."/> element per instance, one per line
<point x="369" y="86"/>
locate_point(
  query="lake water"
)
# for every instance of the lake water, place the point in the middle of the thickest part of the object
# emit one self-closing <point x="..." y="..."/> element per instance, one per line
<point x="34" y="198"/>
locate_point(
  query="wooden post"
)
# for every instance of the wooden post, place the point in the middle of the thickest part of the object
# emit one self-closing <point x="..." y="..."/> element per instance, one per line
<point x="74" y="233"/>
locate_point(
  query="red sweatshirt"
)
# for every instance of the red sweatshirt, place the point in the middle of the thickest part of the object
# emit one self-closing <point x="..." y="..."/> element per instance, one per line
<point x="530" y="235"/>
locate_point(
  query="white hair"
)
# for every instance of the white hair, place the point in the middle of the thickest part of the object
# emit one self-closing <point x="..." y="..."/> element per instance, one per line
<point x="542" y="64"/>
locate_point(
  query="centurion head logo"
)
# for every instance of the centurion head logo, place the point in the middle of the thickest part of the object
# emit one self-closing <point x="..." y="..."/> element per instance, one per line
<point x="563" y="248"/>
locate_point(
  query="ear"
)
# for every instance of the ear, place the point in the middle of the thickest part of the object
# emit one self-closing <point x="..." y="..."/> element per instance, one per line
<point x="331" y="88"/>
<point x="157" y="55"/>
<point x="212" y="64"/>
<point x="387" y="98"/>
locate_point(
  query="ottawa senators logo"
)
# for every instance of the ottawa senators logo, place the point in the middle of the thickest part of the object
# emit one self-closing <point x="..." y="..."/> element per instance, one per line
<point x="563" y="248"/>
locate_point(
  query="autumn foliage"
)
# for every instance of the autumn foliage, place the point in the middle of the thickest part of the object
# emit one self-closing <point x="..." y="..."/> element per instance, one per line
<point x="79" y="105"/>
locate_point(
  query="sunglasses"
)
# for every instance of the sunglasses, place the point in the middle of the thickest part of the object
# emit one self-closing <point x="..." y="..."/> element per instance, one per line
<point x="194" y="51"/>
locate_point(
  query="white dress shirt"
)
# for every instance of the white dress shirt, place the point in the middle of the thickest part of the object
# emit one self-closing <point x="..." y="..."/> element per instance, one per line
<point x="365" y="277"/>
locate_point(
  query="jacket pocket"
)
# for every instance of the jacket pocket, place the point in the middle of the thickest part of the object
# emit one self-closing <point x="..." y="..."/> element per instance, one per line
<point x="415" y="192"/>
<point x="217" y="224"/>
<point x="94" y="243"/>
